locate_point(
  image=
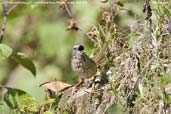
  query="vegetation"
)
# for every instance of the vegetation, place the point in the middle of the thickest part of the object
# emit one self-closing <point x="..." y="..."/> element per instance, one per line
<point x="130" y="42"/>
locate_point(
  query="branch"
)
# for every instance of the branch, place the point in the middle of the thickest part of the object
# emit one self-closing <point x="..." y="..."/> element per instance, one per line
<point x="5" y="13"/>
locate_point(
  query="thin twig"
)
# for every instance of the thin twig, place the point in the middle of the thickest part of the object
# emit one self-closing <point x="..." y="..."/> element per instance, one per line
<point x="5" y="10"/>
<point x="68" y="11"/>
<point x="5" y="13"/>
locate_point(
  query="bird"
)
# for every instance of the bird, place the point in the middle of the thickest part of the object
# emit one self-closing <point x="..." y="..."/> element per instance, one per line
<point x="82" y="65"/>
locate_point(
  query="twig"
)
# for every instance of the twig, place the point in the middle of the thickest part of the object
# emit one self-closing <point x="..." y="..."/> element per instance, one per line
<point x="68" y="11"/>
<point x="5" y="13"/>
<point x="65" y="5"/>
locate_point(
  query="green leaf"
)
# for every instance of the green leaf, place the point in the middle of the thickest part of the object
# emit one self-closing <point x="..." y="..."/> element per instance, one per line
<point x="166" y="78"/>
<point x="114" y="109"/>
<point x="5" y="51"/>
<point x="15" y="98"/>
<point x="48" y="112"/>
<point x="48" y="101"/>
<point x="33" y="108"/>
<point x="25" y="62"/>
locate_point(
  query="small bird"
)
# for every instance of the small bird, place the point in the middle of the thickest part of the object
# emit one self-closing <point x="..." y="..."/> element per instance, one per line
<point x="82" y="65"/>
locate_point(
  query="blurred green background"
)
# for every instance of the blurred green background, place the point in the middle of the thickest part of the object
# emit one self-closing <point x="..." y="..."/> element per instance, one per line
<point x="39" y="31"/>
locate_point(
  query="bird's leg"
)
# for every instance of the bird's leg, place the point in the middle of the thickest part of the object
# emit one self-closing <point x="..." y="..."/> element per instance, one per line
<point x="77" y="86"/>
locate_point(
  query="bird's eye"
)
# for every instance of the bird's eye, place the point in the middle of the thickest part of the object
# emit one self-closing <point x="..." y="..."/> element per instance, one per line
<point x="74" y="48"/>
<point x="81" y="48"/>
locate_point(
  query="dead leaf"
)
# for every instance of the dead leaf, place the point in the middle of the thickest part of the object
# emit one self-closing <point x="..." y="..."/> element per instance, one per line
<point x="107" y="18"/>
<point x="63" y="4"/>
<point x="56" y="86"/>
<point x="119" y="3"/>
<point x="72" y="25"/>
<point x="103" y="1"/>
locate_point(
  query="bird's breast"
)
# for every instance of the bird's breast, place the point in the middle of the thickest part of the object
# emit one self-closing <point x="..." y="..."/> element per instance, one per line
<point x="84" y="68"/>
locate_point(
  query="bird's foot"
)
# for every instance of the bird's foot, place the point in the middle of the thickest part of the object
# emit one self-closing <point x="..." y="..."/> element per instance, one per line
<point x="92" y="89"/>
<point x="74" y="90"/>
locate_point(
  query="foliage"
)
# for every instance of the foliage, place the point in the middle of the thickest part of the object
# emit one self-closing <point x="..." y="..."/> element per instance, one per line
<point x="136" y="49"/>
<point x="24" y="61"/>
<point x="21" y="102"/>
<point x="5" y="51"/>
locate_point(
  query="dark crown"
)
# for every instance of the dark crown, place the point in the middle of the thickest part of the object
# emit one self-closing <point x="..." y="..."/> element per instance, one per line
<point x="80" y="48"/>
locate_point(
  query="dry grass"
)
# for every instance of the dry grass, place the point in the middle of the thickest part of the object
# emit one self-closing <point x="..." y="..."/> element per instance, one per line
<point x="140" y="56"/>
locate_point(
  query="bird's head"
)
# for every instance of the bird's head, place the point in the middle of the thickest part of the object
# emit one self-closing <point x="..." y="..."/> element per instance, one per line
<point x="78" y="49"/>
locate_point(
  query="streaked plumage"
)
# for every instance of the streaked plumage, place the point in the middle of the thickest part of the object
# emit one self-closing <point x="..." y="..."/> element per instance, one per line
<point x="82" y="65"/>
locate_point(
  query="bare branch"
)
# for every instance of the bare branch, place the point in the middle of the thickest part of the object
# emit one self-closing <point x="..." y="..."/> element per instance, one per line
<point x="6" y="10"/>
